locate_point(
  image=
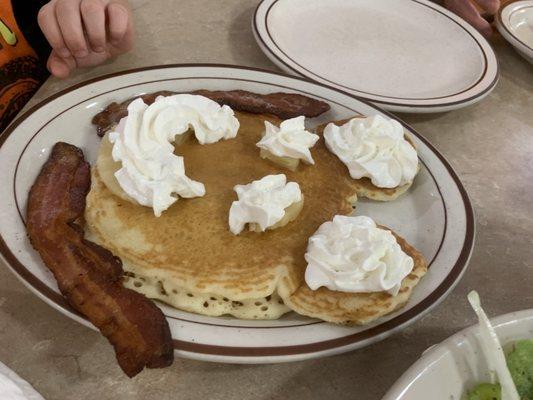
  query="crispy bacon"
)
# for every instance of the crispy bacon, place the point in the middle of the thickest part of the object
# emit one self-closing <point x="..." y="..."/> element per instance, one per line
<point x="89" y="276"/>
<point x="283" y="105"/>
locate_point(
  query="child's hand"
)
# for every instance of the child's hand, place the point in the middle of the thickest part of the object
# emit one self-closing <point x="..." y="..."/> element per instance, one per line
<point x="84" y="33"/>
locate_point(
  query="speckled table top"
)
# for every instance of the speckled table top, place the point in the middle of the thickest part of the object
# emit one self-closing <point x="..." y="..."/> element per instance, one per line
<point x="489" y="144"/>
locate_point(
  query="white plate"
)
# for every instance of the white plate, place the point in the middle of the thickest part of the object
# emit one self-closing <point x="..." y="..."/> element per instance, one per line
<point x="13" y="386"/>
<point x="436" y="215"/>
<point x="447" y="370"/>
<point x="515" y="22"/>
<point x="404" y="55"/>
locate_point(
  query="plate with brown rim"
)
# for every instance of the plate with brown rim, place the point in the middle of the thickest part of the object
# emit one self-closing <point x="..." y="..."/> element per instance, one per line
<point x="436" y="215"/>
<point x="514" y="21"/>
<point x="400" y="54"/>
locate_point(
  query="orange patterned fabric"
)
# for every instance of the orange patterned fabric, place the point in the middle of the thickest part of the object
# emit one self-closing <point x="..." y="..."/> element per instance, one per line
<point x="19" y="66"/>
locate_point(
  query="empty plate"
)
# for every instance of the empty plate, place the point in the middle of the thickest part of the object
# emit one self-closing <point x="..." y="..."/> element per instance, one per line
<point x="405" y="55"/>
<point x="515" y="23"/>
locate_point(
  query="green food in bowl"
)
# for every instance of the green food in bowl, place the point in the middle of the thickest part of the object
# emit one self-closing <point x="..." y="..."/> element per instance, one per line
<point x="484" y="391"/>
<point x="520" y="364"/>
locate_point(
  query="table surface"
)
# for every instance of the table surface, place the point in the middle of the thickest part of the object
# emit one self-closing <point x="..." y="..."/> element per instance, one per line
<point x="489" y="144"/>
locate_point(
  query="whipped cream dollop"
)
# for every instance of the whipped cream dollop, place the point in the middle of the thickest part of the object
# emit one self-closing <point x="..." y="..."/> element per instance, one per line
<point x="173" y="115"/>
<point x="262" y="202"/>
<point x="289" y="140"/>
<point x="352" y="254"/>
<point x="374" y="147"/>
<point x="151" y="173"/>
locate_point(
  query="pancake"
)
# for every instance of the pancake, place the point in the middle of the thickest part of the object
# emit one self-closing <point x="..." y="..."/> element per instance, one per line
<point x="190" y="250"/>
<point x="365" y="187"/>
<point x="361" y="308"/>
<point x="189" y="259"/>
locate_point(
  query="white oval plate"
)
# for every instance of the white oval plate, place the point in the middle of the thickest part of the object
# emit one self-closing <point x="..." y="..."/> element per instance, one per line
<point x="400" y="54"/>
<point x="447" y="370"/>
<point x="436" y="215"/>
<point x="515" y="22"/>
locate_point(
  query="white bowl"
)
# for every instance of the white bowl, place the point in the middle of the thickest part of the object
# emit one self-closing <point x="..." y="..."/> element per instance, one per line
<point x="515" y="23"/>
<point x="447" y="370"/>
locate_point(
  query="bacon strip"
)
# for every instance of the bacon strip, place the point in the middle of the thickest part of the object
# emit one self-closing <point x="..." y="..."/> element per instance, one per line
<point x="89" y="276"/>
<point x="282" y="105"/>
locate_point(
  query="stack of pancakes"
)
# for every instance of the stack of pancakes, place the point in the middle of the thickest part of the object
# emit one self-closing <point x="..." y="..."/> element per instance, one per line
<point x="189" y="259"/>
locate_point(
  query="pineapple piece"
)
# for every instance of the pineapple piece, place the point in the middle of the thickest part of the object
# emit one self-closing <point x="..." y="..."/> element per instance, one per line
<point x="291" y="213"/>
<point x="285" y="162"/>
